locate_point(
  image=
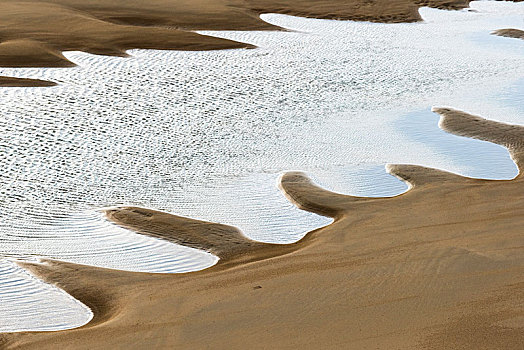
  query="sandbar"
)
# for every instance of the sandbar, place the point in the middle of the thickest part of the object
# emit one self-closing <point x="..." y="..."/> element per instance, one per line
<point x="24" y="82"/>
<point x="510" y="33"/>
<point x="34" y="33"/>
<point x="440" y="266"/>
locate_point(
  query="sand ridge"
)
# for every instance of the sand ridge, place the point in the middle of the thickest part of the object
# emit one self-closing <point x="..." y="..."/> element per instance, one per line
<point x="24" y="82"/>
<point x="510" y="33"/>
<point x="34" y="33"/>
<point x="440" y="266"/>
<point x="226" y="242"/>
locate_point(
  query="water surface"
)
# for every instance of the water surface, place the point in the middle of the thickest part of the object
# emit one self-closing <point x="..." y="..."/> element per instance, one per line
<point x="207" y="134"/>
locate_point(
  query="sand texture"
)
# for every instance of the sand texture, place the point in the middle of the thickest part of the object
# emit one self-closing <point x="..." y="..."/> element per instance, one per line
<point x="510" y="33"/>
<point x="438" y="267"/>
<point x="22" y="82"/>
<point x="34" y="33"/>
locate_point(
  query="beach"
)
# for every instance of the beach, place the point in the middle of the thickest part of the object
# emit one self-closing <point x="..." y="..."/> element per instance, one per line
<point x="438" y="267"/>
<point x="435" y="266"/>
<point x="34" y="33"/>
<point x="22" y="82"/>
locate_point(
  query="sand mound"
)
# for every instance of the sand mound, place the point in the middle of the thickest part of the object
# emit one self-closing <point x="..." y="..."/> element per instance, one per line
<point x="510" y="33"/>
<point x="30" y="53"/>
<point x="34" y="33"/>
<point x="23" y="82"/>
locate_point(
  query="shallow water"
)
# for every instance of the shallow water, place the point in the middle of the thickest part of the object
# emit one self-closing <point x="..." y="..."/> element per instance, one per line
<point x="27" y="304"/>
<point x="474" y="158"/>
<point x="206" y="135"/>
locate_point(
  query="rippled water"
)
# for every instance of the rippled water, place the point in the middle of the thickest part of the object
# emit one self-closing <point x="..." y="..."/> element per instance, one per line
<point x="27" y="304"/>
<point x="206" y="135"/>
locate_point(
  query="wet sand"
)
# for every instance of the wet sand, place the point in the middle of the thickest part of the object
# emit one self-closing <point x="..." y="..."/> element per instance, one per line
<point x="510" y="33"/>
<point x="35" y="33"/>
<point x="22" y="82"/>
<point x="438" y="267"/>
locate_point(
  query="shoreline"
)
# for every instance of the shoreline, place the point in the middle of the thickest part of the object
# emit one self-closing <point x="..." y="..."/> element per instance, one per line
<point x="37" y="33"/>
<point x="24" y="82"/>
<point x="111" y="302"/>
<point x="459" y="248"/>
<point x="510" y="33"/>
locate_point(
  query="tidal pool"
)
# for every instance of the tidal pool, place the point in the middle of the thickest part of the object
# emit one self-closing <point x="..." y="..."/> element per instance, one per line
<point x="207" y="134"/>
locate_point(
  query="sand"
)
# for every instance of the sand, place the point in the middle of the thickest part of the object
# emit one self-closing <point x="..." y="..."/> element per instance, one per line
<point x="438" y="267"/>
<point x="34" y="33"/>
<point x="24" y="82"/>
<point x="510" y="33"/>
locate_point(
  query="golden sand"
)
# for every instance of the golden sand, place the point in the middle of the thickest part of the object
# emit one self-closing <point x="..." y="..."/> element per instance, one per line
<point x="438" y="267"/>
<point x="34" y="33"/>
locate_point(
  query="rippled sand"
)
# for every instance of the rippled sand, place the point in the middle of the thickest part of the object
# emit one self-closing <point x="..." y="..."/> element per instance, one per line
<point x="438" y="267"/>
<point x="34" y="33"/>
<point x="130" y="132"/>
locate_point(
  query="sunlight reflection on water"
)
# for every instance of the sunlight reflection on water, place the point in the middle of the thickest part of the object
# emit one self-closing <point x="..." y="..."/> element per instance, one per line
<point x="206" y="135"/>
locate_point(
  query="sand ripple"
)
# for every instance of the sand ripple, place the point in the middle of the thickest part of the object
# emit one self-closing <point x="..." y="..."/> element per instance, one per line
<point x="206" y="134"/>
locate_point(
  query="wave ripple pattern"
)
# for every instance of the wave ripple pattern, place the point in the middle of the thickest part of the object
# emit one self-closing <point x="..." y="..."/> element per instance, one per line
<point x="205" y="134"/>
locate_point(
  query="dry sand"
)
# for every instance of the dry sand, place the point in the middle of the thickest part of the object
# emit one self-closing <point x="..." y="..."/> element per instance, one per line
<point x="438" y="267"/>
<point x="34" y="33"/>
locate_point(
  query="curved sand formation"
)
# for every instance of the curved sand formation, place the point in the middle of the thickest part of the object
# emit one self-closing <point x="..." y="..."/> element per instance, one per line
<point x="24" y="82"/>
<point x="438" y="267"/>
<point x="33" y="33"/>
<point x="510" y="33"/>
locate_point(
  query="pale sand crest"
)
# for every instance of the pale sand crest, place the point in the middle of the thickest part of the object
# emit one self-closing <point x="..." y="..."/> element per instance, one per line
<point x="438" y="267"/>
